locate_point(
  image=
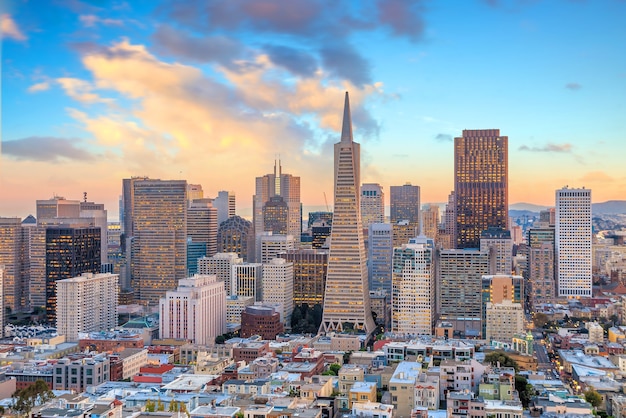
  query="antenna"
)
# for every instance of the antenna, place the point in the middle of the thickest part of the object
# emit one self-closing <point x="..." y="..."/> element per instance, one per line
<point x="85" y="197"/>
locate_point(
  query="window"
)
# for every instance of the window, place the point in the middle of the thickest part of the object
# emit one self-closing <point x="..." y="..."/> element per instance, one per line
<point x="59" y="379"/>
<point x="74" y="381"/>
<point x="89" y="372"/>
<point x="74" y="372"/>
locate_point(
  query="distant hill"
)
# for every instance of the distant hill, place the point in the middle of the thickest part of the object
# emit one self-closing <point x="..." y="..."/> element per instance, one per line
<point x="610" y="207"/>
<point x="530" y="207"/>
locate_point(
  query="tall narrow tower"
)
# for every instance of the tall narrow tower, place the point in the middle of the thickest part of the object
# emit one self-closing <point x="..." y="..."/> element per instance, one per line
<point x="346" y="299"/>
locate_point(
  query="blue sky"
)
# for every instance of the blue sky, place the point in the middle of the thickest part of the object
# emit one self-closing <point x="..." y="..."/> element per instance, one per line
<point x="211" y="91"/>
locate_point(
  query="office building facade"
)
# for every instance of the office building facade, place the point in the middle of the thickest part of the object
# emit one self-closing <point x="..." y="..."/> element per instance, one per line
<point x="481" y="172"/>
<point x="346" y="298"/>
<point x="309" y="272"/>
<point x="372" y="204"/>
<point x="573" y="236"/>
<point x="195" y="311"/>
<point x="379" y="254"/>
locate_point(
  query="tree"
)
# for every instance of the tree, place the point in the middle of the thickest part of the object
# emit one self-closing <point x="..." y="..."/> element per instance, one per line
<point x="540" y="320"/>
<point x="498" y="357"/>
<point x="593" y="397"/>
<point x="335" y="367"/>
<point x="160" y="406"/>
<point x="524" y="389"/>
<point x="35" y="394"/>
<point x="150" y="406"/>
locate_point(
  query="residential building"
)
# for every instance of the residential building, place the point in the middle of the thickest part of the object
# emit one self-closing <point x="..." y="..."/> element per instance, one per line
<point x="504" y="321"/>
<point x="459" y="284"/>
<point x="413" y="294"/>
<point x="76" y="374"/>
<point x="86" y="303"/>
<point x="402" y="387"/>
<point x="498" y="241"/>
<point x="541" y="267"/>
<point x="481" y="190"/>
<point x="346" y="298"/>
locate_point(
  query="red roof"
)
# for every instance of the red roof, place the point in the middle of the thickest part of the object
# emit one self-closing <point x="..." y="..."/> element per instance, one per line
<point x="164" y="368"/>
<point x="380" y="344"/>
<point x="147" y="379"/>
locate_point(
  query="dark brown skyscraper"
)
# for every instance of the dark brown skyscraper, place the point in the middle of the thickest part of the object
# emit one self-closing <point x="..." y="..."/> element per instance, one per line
<point x="481" y="172"/>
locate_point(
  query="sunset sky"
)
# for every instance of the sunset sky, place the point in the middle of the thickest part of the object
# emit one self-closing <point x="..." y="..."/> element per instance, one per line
<point x="212" y="91"/>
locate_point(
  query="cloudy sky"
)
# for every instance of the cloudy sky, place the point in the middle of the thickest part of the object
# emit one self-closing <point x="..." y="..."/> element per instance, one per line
<point x="211" y="91"/>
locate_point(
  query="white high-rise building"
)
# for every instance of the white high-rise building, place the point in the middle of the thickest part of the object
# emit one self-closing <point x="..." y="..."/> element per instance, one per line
<point x="220" y="265"/>
<point x="413" y="287"/>
<point x="272" y="245"/>
<point x="195" y="311"/>
<point x="246" y="280"/>
<point x="573" y="236"/>
<point x="86" y="303"/>
<point x="372" y="204"/>
<point x="278" y="286"/>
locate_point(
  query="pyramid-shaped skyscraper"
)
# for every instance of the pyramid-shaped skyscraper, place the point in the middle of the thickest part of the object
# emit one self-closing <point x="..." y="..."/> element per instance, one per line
<point x="346" y="299"/>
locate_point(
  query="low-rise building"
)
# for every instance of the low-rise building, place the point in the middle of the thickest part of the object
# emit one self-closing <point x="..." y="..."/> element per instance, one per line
<point x="402" y="387"/>
<point x="372" y="410"/>
<point x="362" y="392"/>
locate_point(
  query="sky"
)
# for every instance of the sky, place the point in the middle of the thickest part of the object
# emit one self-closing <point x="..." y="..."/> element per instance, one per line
<point x="94" y="91"/>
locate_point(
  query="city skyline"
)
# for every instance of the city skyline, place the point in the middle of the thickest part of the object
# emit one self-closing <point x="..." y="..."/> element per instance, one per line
<point x="94" y="92"/>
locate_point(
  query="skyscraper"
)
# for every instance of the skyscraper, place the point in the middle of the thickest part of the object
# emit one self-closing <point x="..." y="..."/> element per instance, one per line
<point x="309" y="274"/>
<point x="481" y="190"/>
<point x="159" y="248"/>
<point x="236" y="235"/>
<point x="202" y="224"/>
<point x="430" y="222"/>
<point x="89" y="304"/>
<point x="573" y="242"/>
<point x="225" y="205"/>
<point x="541" y="264"/>
<point x="379" y="254"/>
<point x="405" y="213"/>
<point x="346" y="297"/>
<point x="69" y="252"/>
<point x="278" y="286"/>
<point x="372" y="204"/>
<point x="12" y="260"/>
<point x="459" y="285"/>
<point x="500" y="243"/>
<point x="98" y="213"/>
<point x="413" y="295"/>
<point x="285" y="186"/>
<point x="275" y="216"/>
<point x="404" y="203"/>
<point x="195" y="311"/>
<point x="221" y="266"/>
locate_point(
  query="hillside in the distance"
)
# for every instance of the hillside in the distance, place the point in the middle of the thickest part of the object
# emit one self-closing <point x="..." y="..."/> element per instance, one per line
<point x="603" y="208"/>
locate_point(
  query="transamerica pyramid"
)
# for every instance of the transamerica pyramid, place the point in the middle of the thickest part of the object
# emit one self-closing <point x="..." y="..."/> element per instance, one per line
<point x="346" y="297"/>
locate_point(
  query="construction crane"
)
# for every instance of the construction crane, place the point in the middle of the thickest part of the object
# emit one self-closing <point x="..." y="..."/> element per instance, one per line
<point x="326" y="200"/>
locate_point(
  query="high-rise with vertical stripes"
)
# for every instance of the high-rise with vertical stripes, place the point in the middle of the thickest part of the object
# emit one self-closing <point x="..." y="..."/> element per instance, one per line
<point x="573" y="235"/>
<point x="346" y="300"/>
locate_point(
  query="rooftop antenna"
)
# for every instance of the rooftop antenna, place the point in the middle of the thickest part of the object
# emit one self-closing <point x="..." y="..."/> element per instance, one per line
<point x="85" y="197"/>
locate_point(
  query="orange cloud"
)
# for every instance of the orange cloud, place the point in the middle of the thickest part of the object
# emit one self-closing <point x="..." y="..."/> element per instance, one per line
<point x="9" y="29"/>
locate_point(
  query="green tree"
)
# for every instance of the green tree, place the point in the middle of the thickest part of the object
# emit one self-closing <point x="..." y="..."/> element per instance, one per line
<point x="335" y="367"/>
<point x="173" y="406"/>
<point x="150" y="406"/>
<point x="501" y="358"/>
<point x="524" y="389"/>
<point x="593" y="397"/>
<point x="35" y="394"/>
<point x="160" y="406"/>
